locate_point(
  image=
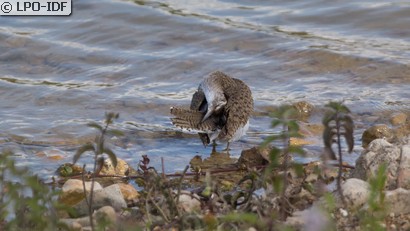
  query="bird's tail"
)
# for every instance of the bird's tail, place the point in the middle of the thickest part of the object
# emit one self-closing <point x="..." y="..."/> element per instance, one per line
<point x="190" y="119"/>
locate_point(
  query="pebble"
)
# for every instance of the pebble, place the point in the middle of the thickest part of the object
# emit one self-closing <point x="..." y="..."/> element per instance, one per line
<point x="343" y="212"/>
<point x="379" y="131"/>
<point x="398" y="118"/>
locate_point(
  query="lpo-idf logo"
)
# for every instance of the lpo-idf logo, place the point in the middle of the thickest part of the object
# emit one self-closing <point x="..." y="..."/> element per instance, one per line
<point x="35" y="7"/>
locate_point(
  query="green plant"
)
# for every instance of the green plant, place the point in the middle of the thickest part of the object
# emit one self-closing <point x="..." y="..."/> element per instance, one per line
<point x="98" y="148"/>
<point x="338" y="123"/>
<point x="284" y="116"/>
<point x="25" y="202"/>
<point x="373" y="217"/>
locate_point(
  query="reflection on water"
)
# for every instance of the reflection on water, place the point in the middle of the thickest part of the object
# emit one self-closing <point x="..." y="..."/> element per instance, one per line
<point x="140" y="57"/>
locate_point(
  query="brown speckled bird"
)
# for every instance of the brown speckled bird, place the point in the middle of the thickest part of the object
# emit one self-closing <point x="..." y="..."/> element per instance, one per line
<point x="220" y="109"/>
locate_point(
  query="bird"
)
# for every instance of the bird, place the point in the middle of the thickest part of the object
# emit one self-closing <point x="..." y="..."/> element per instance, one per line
<point x="220" y="110"/>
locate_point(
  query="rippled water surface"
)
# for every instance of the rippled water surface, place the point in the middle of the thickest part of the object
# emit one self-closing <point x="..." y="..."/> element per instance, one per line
<point x="139" y="58"/>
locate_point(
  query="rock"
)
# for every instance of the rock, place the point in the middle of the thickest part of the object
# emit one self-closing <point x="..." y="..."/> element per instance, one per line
<point x="189" y="202"/>
<point x="398" y="201"/>
<point x="402" y="131"/>
<point x="129" y="192"/>
<point x="377" y="132"/>
<point x="304" y="109"/>
<point x="300" y="141"/>
<point x="396" y="157"/>
<point x="108" y="196"/>
<point x="254" y="157"/>
<point x="356" y="192"/>
<point x="398" y="119"/>
<point x="106" y="214"/>
<point x="122" y="168"/>
<point x="72" y="224"/>
<point x="312" y="219"/>
<point x="72" y="191"/>
<point x="379" y="152"/>
<point x="403" y="180"/>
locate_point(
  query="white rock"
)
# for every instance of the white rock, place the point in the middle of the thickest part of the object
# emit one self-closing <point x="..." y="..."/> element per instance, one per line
<point x="356" y="192"/>
<point x="107" y="213"/>
<point x="312" y="219"/>
<point x="189" y="203"/>
<point x="404" y="169"/>
<point x="343" y="212"/>
<point x="108" y="196"/>
<point x="397" y="201"/>
<point x="379" y="151"/>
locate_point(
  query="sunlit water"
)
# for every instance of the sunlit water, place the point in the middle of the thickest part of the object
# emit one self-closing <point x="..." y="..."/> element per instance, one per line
<point x="139" y="58"/>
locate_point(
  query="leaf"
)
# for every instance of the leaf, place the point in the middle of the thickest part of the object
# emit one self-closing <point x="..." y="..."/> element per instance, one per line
<point x="247" y="218"/>
<point x="329" y="153"/>
<point x="145" y="159"/>
<point x="95" y="125"/>
<point x="293" y="126"/>
<point x="99" y="165"/>
<point x="328" y="134"/>
<point x="110" y="117"/>
<point x="329" y="116"/>
<point x="275" y="122"/>
<point x="296" y="149"/>
<point x="100" y="145"/>
<point x="274" y="156"/>
<point x="112" y="156"/>
<point x="349" y="126"/>
<point x="299" y="169"/>
<point x="89" y="147"/>
<point x="338" y="107"/>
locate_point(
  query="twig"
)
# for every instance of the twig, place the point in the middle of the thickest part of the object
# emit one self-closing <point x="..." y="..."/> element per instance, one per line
<point x="163" y="167"/>
<point x="180" y="183"/>
<point x="158" y="208"/>
<point x="339" y="145"/>
<point x="84" y="189"/>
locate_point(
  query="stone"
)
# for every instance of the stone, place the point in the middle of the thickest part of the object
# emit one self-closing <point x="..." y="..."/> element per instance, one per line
<point x="311" y="219"/>
<point x="379" y="152"/>
<point x="403" y="180"/>
<point x="304" y="109"/>
<point x="121" y="169"/>
<point x="397" y="201"/>
<point x="356" y="192"/>
<point x="72" y="191"/>
<point x="399" y="118"/>
<point x="108" y="196"/>
<point x="402" y="131"/>
<point x="254" y="156"/>
<point x="129" y="192"/>
<point x="72" y="224"/>
<point x="189" y="202"/>
<point x="380" y="131"/>
<point x="105" y="213"/>
<point x="295" y="141"/>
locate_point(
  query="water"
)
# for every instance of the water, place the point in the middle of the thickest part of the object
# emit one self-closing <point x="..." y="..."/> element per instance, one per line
<point x="139" y="58"/>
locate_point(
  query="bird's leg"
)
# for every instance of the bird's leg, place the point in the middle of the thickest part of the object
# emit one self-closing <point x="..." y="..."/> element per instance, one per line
<point x="227" y="148"/>
<point x="213" y="146"/>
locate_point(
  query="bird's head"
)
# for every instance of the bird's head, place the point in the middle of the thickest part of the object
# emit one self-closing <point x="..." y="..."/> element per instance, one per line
<point x="215" y="106"/>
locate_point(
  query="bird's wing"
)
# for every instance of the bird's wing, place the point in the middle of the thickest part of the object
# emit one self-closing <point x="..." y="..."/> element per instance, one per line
<point x="191" y="119"/>
<point x="198" y="102"/>
<point x="238" y="109"/>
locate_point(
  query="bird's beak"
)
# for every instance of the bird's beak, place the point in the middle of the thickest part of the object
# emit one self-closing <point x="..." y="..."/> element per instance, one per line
<point x="208" y="113"/>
